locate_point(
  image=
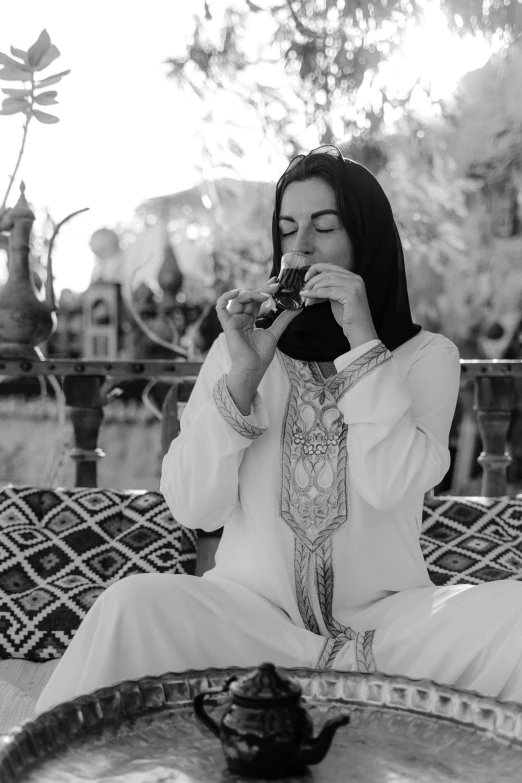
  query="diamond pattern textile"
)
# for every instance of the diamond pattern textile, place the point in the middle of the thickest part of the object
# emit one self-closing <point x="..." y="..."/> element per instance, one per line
<point x="60" y="548"/>
<point x="470" y="540"/>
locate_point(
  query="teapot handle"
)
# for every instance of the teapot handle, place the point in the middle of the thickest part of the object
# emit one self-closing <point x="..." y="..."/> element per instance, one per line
<point x="199" y="709"/>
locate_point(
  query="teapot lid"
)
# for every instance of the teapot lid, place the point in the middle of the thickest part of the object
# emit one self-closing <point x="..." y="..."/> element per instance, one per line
<point x="267" y="684"/>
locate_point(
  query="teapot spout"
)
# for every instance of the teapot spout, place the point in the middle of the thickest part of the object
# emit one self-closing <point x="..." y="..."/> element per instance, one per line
<point x="49" y="290"/>
<point x="313" y="750"/>
<point x="50" y="301"/>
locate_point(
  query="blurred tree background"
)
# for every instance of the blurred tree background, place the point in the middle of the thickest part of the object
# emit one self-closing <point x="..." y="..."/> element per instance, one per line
<point x="273" y="78"/>
<point x="321" y="75"/>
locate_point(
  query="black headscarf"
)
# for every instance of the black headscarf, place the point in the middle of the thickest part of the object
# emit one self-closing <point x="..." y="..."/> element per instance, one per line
<point x="365" y="212"/>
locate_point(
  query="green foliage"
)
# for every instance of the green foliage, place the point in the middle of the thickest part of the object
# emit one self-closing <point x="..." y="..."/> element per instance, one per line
<point x="453" y="185"/>
<point x="327" y="48"/>
<point x="486" y="140"/>
<point x="39" y="56"/>
<point x="502" y="18"/>
<point x="429" y="202"/>
<point x="484" y="133"/>
<point x="24" y="66"/>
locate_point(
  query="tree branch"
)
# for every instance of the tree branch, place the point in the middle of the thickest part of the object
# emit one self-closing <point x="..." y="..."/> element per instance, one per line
<point x="299" y="25"/>
<point x="13" y="175"/>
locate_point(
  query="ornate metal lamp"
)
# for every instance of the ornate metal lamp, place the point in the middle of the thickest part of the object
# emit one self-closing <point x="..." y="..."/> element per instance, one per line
<point x="25" y="320"/>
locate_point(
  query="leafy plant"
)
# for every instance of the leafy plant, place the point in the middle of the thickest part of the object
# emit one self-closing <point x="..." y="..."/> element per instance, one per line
<point x="315" y="57"/>
<point x="24" y="66"/>
<point x="492" y="150"/>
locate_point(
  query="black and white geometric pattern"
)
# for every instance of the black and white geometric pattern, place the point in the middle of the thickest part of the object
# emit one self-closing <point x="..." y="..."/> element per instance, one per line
<point x="60" y="548"/>
<point x="471" y="540"/>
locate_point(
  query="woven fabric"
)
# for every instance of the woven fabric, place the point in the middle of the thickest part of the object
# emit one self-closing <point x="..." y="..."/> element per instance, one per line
<point x="15" y="707"/>
<point x="60" y="548"/>
<point x="471" y="540"/>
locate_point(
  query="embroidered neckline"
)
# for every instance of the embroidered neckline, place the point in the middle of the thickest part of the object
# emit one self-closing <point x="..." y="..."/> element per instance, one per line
<point x="314" y="496"/>
<point x="318" y="374"/>
<point x="314" y="493"/>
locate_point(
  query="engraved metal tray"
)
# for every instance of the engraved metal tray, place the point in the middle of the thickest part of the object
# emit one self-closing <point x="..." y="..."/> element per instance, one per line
<point x="144" y="731"/>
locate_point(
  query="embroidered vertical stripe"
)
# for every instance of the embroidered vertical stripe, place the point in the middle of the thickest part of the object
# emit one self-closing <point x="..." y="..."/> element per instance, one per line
<point x="314" y="494"/>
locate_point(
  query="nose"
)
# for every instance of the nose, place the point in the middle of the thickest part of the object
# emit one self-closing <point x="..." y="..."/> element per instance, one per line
<point x="303" y="241"/>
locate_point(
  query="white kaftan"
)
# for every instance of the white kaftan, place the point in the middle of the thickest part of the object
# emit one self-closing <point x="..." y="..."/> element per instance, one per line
<point x="319" y="491"/>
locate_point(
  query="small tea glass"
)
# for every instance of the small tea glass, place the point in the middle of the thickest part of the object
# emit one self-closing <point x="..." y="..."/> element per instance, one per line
<point x="294" y="266"/>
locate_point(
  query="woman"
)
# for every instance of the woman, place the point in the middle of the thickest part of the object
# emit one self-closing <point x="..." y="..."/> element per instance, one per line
<point x="312" y="440"/>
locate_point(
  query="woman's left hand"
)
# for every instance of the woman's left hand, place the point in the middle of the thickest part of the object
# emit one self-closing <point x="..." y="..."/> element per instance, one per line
<point x="347" y="294"/>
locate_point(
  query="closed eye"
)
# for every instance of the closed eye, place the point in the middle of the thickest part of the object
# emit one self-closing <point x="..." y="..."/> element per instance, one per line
<point x="320" y="230"/>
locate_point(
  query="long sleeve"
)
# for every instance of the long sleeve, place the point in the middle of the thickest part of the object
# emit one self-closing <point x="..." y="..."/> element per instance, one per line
<point x="199" y="476"/>
<point x="398" y="428"/>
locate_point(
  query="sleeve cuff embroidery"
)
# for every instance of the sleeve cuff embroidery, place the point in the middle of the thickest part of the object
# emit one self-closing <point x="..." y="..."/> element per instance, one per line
<point x="230" y="412"/>
<point x="359" y="369"/>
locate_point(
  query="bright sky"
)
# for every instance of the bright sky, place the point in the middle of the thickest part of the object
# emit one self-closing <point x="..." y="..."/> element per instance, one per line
<point x="125" y="133"/>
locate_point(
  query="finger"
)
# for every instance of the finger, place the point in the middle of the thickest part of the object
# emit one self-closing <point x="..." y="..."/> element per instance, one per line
<point x="267" y="307"/>
<point x="269" y="287"/>
<point x="350" y="286"/>
<point x="323" y="292"/>
<point x="222" y="304"/>
<point x="249" y="296"/>
<point x="282" y="321"/>
<point x="335" y="277"/>
<point x="315" y="269"/>
<point x="312" y="297"/>
<point x="228" y="295"/>
<point x="247" y="302"/>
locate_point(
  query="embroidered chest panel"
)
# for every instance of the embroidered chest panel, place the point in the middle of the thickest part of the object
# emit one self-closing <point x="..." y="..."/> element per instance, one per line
<point x="314" y="495"/>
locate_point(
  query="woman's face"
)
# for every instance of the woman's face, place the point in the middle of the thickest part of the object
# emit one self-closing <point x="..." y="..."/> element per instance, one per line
<point x="309" y="223"/>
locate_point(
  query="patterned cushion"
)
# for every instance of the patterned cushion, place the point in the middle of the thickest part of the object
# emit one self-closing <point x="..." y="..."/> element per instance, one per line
<point x="60" y="548"/>
<point x="470" y="540"/>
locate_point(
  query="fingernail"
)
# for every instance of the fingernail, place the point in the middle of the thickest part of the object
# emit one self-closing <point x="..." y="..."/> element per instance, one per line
<point x="265" y="295"/>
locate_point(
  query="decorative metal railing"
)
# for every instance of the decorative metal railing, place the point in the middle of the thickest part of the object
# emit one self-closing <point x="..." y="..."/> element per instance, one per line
<point x="86" y="383"/>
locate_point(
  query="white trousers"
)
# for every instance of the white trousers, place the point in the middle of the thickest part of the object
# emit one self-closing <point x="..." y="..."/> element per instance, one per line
<point x="149" y="624"/>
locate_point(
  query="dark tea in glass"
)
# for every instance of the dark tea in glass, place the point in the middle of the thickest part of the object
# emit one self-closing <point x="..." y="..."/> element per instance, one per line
<point x="294" y="267"/>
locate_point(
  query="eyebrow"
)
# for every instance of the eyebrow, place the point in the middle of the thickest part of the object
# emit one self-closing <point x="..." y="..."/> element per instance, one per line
<point x="315" y="215"/>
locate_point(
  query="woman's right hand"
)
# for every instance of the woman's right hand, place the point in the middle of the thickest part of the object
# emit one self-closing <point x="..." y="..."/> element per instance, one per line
<point x="251" y="350"/>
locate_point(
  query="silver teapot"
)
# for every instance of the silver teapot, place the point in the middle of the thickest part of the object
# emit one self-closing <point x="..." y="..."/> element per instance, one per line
<point x="266" y="731"/>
